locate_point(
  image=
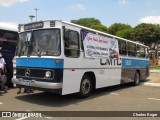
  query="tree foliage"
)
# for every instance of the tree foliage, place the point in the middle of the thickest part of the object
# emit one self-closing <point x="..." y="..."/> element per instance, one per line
<point x="91" y="23"/>
<point x="146" y="34"/>
<point x="87" y="22"/>
<point x="99" y="27"/>
<point x="125" y="33"/>
<point x="113" y="29"/>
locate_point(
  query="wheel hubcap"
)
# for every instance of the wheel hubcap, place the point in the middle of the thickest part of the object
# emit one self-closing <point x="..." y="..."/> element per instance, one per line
<point x="137" y="78"/>
<point x="86" y="86"/>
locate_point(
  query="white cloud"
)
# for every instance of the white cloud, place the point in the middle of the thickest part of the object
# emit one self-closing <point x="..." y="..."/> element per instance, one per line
<point x="123" y="1"/>
<point x="150" y="19"/>
<point x="7" y="3"/>
<point x="78" y="7"/>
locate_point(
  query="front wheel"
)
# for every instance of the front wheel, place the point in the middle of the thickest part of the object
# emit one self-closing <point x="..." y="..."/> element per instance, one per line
<point x="136" y="78"/>
<point x="85" y="87"/>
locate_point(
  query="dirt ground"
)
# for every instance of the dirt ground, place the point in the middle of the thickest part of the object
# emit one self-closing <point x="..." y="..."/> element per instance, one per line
<point x="154" y="77"/>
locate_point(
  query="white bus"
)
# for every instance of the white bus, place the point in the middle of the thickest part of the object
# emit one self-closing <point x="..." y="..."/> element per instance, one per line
<point x="8" y="42"/>
<point x="65" y="58"/>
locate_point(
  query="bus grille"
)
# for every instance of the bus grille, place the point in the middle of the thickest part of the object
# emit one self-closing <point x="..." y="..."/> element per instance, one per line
<point x="33" y="73"/>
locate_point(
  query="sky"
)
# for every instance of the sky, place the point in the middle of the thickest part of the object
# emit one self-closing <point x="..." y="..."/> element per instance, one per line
<point x="131" y="12"/>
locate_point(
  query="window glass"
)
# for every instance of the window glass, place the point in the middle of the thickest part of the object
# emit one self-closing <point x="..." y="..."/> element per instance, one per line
<point x="7" y="35"/>
<point x="46" y="42"/>
<point x="71" y="43"/>
<point x="11" y="36"/>
<point x="2" y="36"/>
<point x="122" y="47"/>
<point x="140" y="51"/>
<point x="22" y="47"/>
<point x="131" y="47"/>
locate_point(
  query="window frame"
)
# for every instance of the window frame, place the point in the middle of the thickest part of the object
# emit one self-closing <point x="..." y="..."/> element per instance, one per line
<point x="133" y="52"/>
<point x="125" y="49"/>
<point x="65" y="41"/>
<point x="140" y="56"/>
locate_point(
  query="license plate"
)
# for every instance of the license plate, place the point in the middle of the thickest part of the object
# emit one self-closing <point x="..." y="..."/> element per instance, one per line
<point x="25" y="82"/>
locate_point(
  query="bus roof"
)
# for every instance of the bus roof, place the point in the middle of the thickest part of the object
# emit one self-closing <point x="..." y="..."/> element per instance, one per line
<point x="90" y="29"/>
<point x="113" y="36"/>
<point x="9" y="27"/>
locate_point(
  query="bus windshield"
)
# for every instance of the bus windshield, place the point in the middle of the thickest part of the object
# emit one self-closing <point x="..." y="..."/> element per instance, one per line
<point x="44" y="42"/>
<point x="22" y="47"/>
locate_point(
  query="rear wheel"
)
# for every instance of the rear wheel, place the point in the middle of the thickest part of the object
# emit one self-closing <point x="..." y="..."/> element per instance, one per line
<point x="136" y="78"/>
<point x="85" y="87"/>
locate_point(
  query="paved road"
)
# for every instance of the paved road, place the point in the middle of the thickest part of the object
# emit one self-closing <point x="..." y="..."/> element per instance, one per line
<point x="117" y="98"/>
<point x="154" y="76"/>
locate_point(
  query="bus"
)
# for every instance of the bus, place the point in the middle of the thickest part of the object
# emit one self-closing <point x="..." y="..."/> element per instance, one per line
<point x="8" y="42"/>
<point x="64" y="58"/>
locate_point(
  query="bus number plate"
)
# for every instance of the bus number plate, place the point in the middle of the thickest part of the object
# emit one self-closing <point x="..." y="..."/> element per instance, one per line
<point x="25" y="82"/>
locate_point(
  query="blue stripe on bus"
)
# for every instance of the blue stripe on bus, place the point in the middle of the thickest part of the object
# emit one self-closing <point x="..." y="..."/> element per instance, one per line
<point x="134" y="63"/>
<point x="39" y="62"/>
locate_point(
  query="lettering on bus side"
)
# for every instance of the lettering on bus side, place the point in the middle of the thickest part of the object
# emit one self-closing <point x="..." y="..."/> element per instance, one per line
<point x="110" y="62"/>
<point x="128" y="62"/>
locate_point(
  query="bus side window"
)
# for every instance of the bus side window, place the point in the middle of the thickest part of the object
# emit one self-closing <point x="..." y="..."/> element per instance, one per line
<point x="140" y="51"/>
<point x="131" y="47"/>
<point x="71" y="45"/>
<point x="3" y="39"/>
<point x="122" y="47"/>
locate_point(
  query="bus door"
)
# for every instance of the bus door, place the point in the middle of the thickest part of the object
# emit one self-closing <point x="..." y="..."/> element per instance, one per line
<point x="72" y="62"/>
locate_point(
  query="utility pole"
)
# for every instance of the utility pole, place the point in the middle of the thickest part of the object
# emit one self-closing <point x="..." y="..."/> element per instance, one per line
<point x="36" y="13"/>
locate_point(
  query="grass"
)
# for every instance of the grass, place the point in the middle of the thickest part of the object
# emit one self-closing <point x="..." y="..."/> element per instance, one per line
<point x="155" y="67"/>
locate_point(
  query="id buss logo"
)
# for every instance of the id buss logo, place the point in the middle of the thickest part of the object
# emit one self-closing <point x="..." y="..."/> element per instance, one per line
<point x="6" y="114"/>
<point x="20" y="114"/>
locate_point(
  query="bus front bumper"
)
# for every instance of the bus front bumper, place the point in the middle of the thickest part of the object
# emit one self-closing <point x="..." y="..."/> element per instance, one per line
<point x="34" y="83"/>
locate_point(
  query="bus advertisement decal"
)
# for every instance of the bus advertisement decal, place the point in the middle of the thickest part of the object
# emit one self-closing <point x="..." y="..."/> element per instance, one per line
<point x="97" y="46"/>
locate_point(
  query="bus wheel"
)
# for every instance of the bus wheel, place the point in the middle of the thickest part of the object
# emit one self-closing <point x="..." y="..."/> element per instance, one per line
<point x="136" y="78"/>
<point x="85" y="87"/>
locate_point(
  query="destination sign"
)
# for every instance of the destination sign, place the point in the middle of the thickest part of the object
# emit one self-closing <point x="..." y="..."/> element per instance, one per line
<point x="33" y="26"/>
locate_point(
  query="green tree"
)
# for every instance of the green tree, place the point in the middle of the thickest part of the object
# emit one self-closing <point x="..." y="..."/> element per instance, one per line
<point x="91" y="23"/>
<point x="113" y="29"/>
<point x="87" y="22"/>
<point x="147" y="34"/>
<point x="125" y="33"/>
<point x="99" y="27"/>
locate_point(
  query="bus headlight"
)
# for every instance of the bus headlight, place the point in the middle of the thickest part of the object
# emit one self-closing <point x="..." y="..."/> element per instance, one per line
<point x="48" y="74"/>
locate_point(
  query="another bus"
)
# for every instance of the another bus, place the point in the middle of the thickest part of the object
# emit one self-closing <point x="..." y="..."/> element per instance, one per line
<point x="65" y="58"/>
<point x="8" y="42"/>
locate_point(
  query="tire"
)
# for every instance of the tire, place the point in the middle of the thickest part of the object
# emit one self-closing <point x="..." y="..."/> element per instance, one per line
<point x="136" y="78"/>
<point x="85" y="87"/>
